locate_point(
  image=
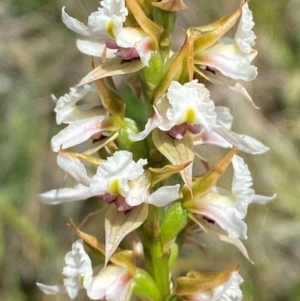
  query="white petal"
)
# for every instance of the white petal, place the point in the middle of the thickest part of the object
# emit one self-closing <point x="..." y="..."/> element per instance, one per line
<point x="51" y="289"/>
<point x="242" y="142"/>
<point x="65" y="105"/>
<point x="111" y="283"/>
<point x="138" y="190"/>
<point x="65" y="195"/>
<point x="115" y="8"/>
<point x="164" y="195"/>
<point x="194" y="97"/>
<point x="74" y="24"/>
<point x="210" y="138"/>
<point x="241" y="185"/>
<point x="224" y="118"/>
<point x="73" y="167"/>
<point x="119" y="167"/>
<point x="78" y="264"/>
<point x="93" y="48"/>
<point x="77" y="132"/>
<point x="244" y="36"/>
<point x="229" y="62"/>
<point x="224" y="216"/>
<point x="261" y="199"/>
<point x="229" y="290"/>
<point x="152" y="123"/>
<point x="138" y="39"/>
<point x="219" y="79"/>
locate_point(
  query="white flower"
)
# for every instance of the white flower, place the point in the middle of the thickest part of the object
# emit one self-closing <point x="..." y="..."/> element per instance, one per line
<point x="112" y="283"/>
<point x="233" y="57"/>
<point x="105" y="34"/>
<point x="223" y="286"/>
<point x="80" y="131"/>
<point x="125" y="180"/>
<point x="228" y="209"/>
<point x="81" y="191"/>
<point x="222" y="136"/>
<point x="67" y="111"/>
<point x="184" y="108"/>
<point x="113" y="175"/>
<point x="228" y="291"/>
<point x="221" y="213"/>
<point x="84" y="121"/>
<point x="77" y="273"/>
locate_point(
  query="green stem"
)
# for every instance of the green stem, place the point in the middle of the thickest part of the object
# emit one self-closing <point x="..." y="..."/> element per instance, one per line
<point x="158" y="262"/>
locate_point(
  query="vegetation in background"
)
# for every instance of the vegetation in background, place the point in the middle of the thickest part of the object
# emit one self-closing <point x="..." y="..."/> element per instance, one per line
<point x="34" y="65"/>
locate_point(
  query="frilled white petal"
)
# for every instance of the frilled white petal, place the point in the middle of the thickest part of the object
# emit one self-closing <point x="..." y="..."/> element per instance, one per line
<point x="190" y="103"/>
<point x="164" y="196"/>
<point x="113" y="175"/>
<point x="77" y="132"/>
<point x="74" y="25"/>
<point x="224" y="118"/>
<point x="152" y="124"/>
<point x="66" y="195"/>
<point x="241" y="185"/>
<point x="74" y="168"/>
<point x="51" y="289"/>
<point x="65" y="105"/>
<point x="112" y="283"/>
<point x="98" y="22"/>
<point x="230" y="290"/>
<point x="244" y="36"/>
<point x="115" y="9"/>
<point x="242" y="142"/>
<point x="108" y="20"/>
<point x="230" y="62"/>
<point x="78" y="271"/>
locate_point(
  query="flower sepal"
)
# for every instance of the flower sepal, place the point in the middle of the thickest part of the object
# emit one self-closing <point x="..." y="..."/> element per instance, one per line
<point x="207" y="35"/>
<point x="210" y="286"/>
<point x="202" y="184"/>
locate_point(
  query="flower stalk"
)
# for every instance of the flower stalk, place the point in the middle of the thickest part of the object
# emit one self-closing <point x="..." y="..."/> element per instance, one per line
<point x="143" y="168"/>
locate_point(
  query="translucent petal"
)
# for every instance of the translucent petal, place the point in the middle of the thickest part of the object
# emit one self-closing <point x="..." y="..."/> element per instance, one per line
<point x="91" y="47"/>
<point x="77" y="132"/>
<point x="230" y="62"/>
<point x="74" y="24"/>
<point x="152" y="123"/>
<point x="73" y="167"/>
<point x="164" y="195"/>
<point x="51" y="289"/>
<point x="224" y="118"/>
<point x="242" y="142"/>
<point x="65" y="195"/>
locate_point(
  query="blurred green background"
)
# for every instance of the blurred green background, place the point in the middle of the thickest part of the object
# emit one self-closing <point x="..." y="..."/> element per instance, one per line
<point x="38" y="57"/>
